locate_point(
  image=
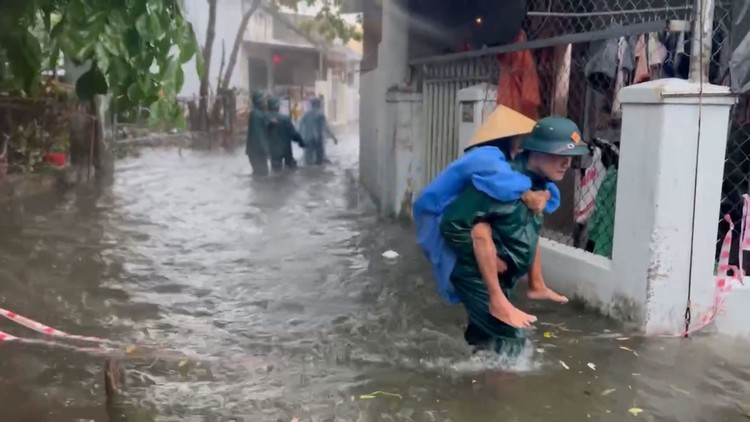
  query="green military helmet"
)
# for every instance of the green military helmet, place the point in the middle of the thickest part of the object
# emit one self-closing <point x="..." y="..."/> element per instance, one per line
<point x="273" y="103"/>
<point x="555" y="136"/>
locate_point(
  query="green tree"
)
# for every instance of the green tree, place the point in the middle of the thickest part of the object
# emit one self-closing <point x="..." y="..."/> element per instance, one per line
<point x="128" y="47"/>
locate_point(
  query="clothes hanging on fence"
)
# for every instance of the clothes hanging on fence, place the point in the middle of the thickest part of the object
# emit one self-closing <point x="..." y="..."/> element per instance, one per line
<point x="642" y="69"/>
<point x="656" y="51"/>
<point x="623" y="51"/>
<point x="739" y="66"/>
<point x="518" y="87"/>
<point x="587" y="188"/>
<point x="609" y="58"/>
<point x="678" y="45"/>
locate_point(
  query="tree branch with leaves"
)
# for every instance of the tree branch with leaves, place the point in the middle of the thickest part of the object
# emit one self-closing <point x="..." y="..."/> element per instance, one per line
<point x="126" y="45"/>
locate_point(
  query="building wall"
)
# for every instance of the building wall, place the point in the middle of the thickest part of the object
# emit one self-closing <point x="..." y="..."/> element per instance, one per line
<point x="383" y="67"/>
<point x="228" y="19"/>
<point x="260" y="28"/>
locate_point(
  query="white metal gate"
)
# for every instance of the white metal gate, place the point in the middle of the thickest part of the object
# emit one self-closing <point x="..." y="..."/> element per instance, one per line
<point x="441" y="83"/>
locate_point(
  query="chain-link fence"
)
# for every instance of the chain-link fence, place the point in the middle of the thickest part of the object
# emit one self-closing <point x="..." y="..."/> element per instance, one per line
<point x="570" y="59"/>
<point x="730" y="23"/>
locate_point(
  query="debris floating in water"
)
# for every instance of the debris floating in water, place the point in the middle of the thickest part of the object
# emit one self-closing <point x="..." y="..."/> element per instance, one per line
<point x="390" y="254"/>
<point x="549" y="334"/>
<point x="380" y="393"/>
<point x="564" y="365"/>
<point x="627" y="349"/>
<point x="679" y="390"/>
<point x="608" y="391"/>
<point x="635" y="411"/>
<point x="592" y="366"/>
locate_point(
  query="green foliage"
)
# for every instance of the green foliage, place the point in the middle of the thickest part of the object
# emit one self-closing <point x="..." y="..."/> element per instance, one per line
<point x="129" y="46"/>
<point x="329" y="24"/>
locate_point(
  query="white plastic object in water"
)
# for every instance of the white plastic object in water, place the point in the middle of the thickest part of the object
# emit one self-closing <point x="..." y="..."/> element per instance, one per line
<point x="389" y="254"/>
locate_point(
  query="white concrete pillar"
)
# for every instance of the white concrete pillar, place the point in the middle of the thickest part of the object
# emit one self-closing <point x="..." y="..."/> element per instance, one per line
<point x="474" y="103"/>
<point x="668" y="194"/>
<point x="391" y="71"/>
<point x="406" y="152"/>
<point x="393" y="51"/>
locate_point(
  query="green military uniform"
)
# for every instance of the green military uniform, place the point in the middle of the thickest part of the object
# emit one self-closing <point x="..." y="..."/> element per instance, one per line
<point x="257" y="135"/>
<point x="281" y="133"/>
<point x="515" y="233"/>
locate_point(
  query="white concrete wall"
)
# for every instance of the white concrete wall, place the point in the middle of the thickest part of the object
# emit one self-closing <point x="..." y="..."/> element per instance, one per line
<point x="734" y="318"/>
<point x="345" y="97"/>
<point x="228" y="19"/>
<point x="368" y="135"/>
<point x="392" y="70"/>
<point x="260" y="27"/>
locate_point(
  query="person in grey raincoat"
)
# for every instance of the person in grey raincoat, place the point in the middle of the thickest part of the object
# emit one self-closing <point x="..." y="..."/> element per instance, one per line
<point x="257" y="147"/>
<point x="314" y="129"/>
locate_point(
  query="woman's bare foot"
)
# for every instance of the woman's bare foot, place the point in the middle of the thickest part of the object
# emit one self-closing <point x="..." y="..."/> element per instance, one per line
<point x="511" y="315"/>
<point x="545" y="293"/>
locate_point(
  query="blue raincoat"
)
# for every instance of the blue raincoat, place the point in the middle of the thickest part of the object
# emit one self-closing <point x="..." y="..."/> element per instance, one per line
<point x="490" y="173"/>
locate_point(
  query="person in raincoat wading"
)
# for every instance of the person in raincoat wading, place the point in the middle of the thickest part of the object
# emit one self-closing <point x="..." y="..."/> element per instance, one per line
<point x="281" y="133"/>
<point x="314" y="129"/>
<point x="257" y="135"/>
<point x="495" y="242"/>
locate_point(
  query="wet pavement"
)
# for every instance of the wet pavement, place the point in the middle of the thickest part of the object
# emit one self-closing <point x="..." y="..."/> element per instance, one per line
<point x="277" y="292"/>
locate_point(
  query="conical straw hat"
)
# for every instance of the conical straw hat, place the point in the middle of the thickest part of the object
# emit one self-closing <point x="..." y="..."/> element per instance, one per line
<point x="503" y="122"/>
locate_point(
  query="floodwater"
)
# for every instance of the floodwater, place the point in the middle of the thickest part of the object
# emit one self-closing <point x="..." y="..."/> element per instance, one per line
<point x="277" y="293"/>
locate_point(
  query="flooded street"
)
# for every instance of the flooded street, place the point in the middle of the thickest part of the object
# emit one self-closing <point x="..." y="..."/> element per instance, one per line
<point x="277" y="292"/>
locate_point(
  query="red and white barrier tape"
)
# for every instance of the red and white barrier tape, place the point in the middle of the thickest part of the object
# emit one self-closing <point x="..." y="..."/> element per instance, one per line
<point x="724" y="280"/>
<point x="44" y="329"/>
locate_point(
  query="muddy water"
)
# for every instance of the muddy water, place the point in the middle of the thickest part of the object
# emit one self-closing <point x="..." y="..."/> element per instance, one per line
<point x="277" y="293"/>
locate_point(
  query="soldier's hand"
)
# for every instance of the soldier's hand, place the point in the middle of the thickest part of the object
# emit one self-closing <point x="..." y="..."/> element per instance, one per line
<point x="536" y="200"/>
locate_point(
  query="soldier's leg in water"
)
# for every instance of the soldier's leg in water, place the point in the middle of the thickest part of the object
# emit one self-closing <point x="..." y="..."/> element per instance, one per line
<point x="310" y="153"/>
<point x="485" y="332"/>
<point x="319" y="152"/>
<point x="277" y="164"/>
<point x="289" y="161"/>
<point x="259" y="165"/>
<point x="323" y="153"/>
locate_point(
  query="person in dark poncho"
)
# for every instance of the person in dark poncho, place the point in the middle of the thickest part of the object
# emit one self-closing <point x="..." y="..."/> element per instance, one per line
<point x="495" y="242"/>
<point x="256" y="147"/>
<point x="281" y="133"/>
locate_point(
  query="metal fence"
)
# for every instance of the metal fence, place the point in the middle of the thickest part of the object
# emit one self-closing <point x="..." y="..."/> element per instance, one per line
<point x="577" y="57"/>
<point x="730" y="24"/>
